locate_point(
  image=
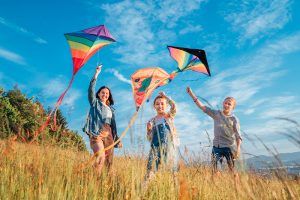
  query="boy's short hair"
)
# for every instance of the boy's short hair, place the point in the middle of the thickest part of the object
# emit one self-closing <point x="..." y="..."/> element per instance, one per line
<point x="231" y="99"/>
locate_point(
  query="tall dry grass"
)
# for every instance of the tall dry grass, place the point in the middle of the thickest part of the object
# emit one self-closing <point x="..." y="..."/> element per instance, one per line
<point x="44" y="172"/>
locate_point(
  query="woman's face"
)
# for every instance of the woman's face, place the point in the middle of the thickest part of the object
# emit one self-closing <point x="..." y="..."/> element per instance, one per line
<point x="103" y="95"/>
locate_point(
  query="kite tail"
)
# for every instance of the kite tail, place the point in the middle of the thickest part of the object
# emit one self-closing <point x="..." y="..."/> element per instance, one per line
<point x="54" y="110"/>
<point x="91" y="160"/>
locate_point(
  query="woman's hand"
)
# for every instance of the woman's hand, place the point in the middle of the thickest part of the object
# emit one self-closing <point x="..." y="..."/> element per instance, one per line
<point x="98" y="70"/>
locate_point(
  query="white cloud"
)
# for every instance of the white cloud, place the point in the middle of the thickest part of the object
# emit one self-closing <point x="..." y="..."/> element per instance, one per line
<point x="254" y="72"/>
<point x="71" y="98"/>
<point x="281" y="109"/>
<point x="284" y="46"/>
<point x="191" y="124"/>
<point x="55" y="87"/>
<point x="40" y="40"/>
<point x="170" y="11"/>
<point x="141" y="26"/>
<point x="22" y="30"/>
<point x="246" y="81"/>
<point x="11" y="56"/>
<point x="254" y="20"/>
<point x="119" y="76"/>
<point x="190" y="29"/>
<point x="212" y="47"/>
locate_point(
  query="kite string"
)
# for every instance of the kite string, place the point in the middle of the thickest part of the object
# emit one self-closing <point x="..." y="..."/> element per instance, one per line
<point x="89" y="162"/>
<point x="55" y="108"/>
<point x="85" y="164"/>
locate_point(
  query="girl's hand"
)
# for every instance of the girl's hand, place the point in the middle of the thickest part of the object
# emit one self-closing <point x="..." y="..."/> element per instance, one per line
<point x="149" y="126"/>
<point x="162" y="94"/>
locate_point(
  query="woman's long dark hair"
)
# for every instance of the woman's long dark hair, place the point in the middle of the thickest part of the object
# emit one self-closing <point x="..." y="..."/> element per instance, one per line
<point x="110" y="100"/>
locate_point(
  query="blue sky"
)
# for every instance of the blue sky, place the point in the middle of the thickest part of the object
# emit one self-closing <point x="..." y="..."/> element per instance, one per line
<point x="253" y="49"/>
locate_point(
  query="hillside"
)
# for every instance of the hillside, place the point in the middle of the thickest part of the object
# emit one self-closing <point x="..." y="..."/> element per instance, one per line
<point x="288" y="161"/>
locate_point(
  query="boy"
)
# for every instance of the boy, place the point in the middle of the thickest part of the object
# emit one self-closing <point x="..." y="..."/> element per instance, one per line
<point x="227" y="138"/>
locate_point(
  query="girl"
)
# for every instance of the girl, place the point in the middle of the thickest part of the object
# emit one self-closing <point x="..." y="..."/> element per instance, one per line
<point x="162" y="136"/>
<point x="101" y="125"/>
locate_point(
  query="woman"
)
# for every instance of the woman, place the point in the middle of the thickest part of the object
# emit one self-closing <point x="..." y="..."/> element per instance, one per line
<point x="101" y="125"/>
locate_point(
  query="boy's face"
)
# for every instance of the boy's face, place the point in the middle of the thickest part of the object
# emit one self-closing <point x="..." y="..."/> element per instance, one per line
<point x="160" y="105"/>
<point x="228" y="105"/>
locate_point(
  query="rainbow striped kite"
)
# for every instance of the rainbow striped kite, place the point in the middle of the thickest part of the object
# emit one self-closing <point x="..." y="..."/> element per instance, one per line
<point x="193" y="59"/>
<point x="84" y="44"/>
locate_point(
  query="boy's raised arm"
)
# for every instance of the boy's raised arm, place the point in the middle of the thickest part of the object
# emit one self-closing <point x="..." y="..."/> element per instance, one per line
<point x="195" y="99"/>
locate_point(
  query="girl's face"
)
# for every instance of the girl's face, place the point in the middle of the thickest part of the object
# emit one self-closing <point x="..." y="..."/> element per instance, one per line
<point x="160" y="105"/>
<point x="103" y="95"/>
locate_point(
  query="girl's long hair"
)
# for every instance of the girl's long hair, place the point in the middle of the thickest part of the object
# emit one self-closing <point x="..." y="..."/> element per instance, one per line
<point x="110" y="100"/>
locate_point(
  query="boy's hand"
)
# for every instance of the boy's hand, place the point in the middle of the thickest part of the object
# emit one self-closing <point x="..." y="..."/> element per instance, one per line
<point x="189" y="90"/>
<point x="236" y="154"/>
<point x="238" y="151"/>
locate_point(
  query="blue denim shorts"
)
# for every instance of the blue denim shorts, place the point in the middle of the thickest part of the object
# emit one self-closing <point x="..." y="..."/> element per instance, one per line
<point x="219" y="153"/>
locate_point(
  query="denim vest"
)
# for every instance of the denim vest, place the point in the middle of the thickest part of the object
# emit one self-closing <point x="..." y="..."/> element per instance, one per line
<point x="95" y="121"/>
<point x="160" y="133"/>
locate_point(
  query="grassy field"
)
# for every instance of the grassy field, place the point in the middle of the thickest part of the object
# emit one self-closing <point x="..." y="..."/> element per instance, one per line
<point x="45" y="172"/>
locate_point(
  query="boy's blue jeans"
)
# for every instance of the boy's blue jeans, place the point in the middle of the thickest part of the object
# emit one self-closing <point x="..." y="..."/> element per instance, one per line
<point x="218" y="153"/>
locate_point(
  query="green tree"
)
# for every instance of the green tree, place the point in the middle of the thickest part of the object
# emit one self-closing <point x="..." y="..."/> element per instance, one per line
<point x="9" y="117"/>
<point x="24" y="116"/>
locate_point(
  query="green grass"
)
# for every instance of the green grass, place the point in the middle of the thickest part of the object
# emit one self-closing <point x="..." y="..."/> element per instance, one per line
<point x="45" y="172"/>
